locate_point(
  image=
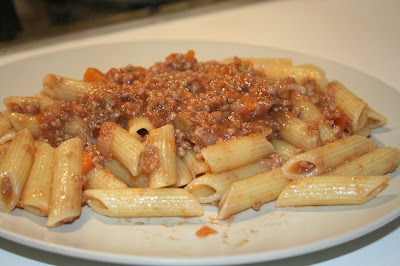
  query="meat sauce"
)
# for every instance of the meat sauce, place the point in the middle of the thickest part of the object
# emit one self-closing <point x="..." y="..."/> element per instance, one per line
<point x="207" y="102"/>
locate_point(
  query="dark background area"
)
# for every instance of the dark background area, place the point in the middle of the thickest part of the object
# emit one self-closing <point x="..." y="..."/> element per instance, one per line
<point x="27" y="20"/>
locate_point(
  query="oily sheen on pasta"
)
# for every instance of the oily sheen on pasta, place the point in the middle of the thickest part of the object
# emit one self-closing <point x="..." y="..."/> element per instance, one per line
<point x="163" y="140"/>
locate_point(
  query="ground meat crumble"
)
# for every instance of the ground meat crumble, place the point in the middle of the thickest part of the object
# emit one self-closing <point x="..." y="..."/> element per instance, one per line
<point x="207" y="102"/>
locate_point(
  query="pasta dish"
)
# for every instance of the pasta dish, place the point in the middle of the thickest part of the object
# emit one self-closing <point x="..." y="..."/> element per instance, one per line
<point x="163" y="140"/>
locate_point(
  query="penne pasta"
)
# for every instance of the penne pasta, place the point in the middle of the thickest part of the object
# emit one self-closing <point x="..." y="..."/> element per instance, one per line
<point x="315" y="162"/>
<point x="14" y="169"/>
<point x="5" y="123"/>
<point x="251" y="192"/>
<point x="64" y="88"/>
<point x="116" y="141"/>
<point x="193" y="164"/>
<point x="354" y="107"/>
<point x="143" y="202"/>
<point x="3" y="150"/>
<point x="37" y="191"/>
<point x="158" y="142"/>
<point x="184" y="175"/>
<point x="9" y="135"/>
<point x="31" y="122"/>
<point x="210" y="187"/>
<point x="365" y="132"/>
<point x="331" y="190"/>
<point x="138" y="124"/>
<point x="284" y="149"/>
<point x="299" y="73"/>
<point x="312" y="68"/>
<point x="27" y="105"/>
<point x="125" y="176"/>
<point x="98" y="177"/>
<point x="161" y="149"/>
<point x="310" y="113"/>
<point x="235" y="153"/>
<point x="375" y="119"/>
<point x="66" y="195"/>
<point x="7" y="130"/>
<point x="300" y="134"/>
<point x="380" y="161"/>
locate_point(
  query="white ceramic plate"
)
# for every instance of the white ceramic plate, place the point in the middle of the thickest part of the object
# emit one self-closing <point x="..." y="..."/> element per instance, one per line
<point x="251" y="236"/>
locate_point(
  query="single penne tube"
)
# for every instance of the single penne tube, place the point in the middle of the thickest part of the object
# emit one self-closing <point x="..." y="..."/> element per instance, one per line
<point x="235" y="153"/>
<point x="98" y="177"/>
<point x="316" y="161"/>
<point x="27" y="105"/>
<point x="120" y="171"/>
<point x="115" y="141"/>
<point x="7" y="130"/>
<point x="311" y="114"/>
<point x="251" y="192"/>
<point x="64" y="88"/>
<point x="14" y="169"/>
<point x="210" y="187"/>
<point x="365" y="132"/>
<point x="137" y="125"/>
<point x="9" y="135"/>
<point x="331" y="190"/>
<point x="30" y="122"/>
<point x="161" y="144"/>
<point x="143" y="202"/>
<point x="285" y="149"/>
<point x="66" y="195"/>
<point x="312" y="67"/>
<point x="3" y="150"/>
<point x="195" y="165"/>
<point x="185" y="176"/>
<point x="5" y="123"/>
<point x="375" y="119"/>
<point x="354" y="107"/>
<point x="380" y="161"/>
<point x="37" y="191"/>
<point x="299" y="73"/>
<point x="299" y="133"/>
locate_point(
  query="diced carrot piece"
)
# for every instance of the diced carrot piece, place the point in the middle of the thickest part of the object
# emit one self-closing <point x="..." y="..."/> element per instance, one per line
<point x="93" y="75"/>
<point x="205" y="231"/>
<point x="190" y="54"/>
<point x="247" y="106"/>
<point x="87" y="163"/>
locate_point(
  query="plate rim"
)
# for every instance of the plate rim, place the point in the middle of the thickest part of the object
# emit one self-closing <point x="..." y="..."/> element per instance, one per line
<point x="222" y="260"/>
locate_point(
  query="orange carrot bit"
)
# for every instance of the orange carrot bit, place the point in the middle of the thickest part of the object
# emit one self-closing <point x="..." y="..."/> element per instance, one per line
<point x="190" y="54"/>
<point x="205" y="231"/>
<point x="87" y="163"/>
<point x="247" y="106"/>
<point x="342" y="122"/>
<point x="93" y="75"/>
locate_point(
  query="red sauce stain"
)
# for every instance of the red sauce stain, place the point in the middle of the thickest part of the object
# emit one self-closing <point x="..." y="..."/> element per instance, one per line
<point x="241" y="243"/>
